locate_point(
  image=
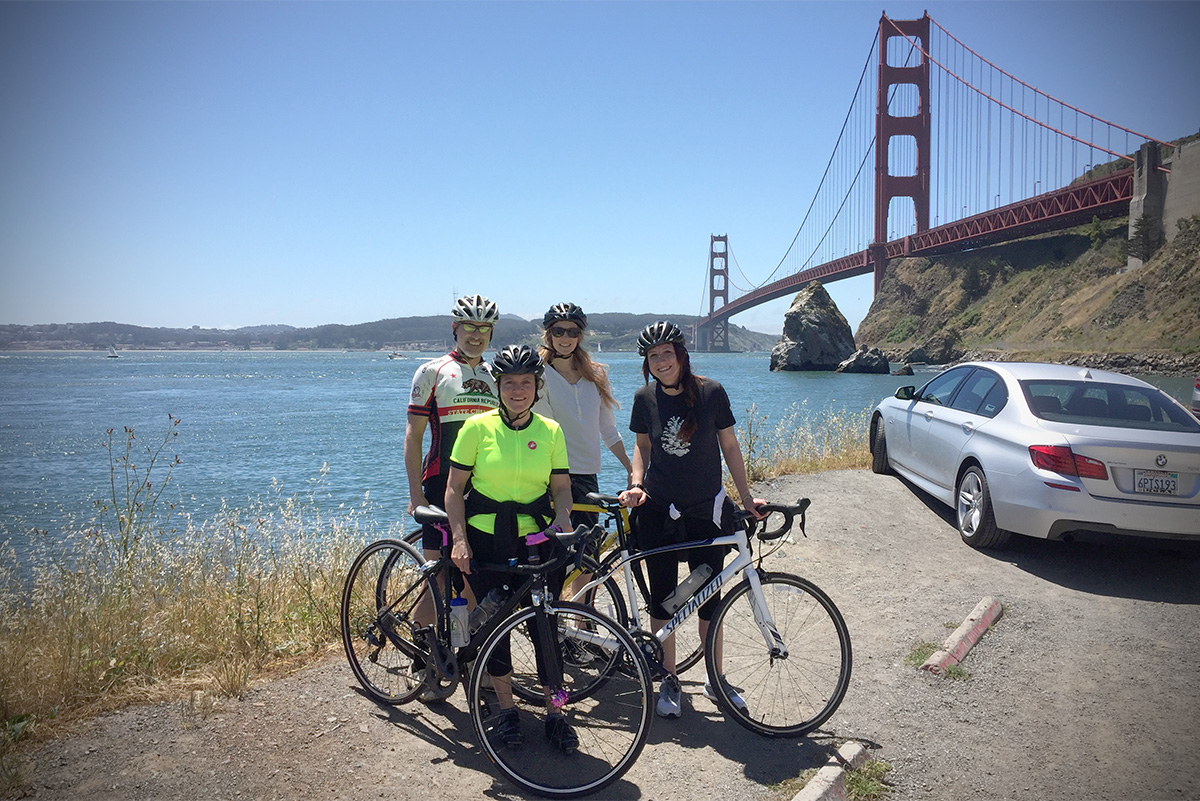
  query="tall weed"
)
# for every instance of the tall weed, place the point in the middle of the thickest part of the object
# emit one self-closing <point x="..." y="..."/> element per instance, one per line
<point x="803" y="441"/>
<point x="146" y="602"/>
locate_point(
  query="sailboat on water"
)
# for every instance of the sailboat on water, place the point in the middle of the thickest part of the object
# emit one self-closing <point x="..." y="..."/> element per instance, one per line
<point x="112" y="352"/>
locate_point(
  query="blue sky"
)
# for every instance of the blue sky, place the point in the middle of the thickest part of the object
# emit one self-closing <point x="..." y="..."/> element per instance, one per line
<point x="226" y="164"/>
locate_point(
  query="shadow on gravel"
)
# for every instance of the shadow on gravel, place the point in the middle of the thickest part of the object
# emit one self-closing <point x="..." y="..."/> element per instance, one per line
<point x="445" y="726"/>
<point x="765" y="760"/>
<point x="1140" y="568"/>
<point x="1105" y="564"/>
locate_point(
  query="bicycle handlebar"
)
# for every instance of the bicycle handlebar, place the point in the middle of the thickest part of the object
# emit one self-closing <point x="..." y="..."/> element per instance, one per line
<point x="759" y="527"/>
<point x="579" y="538"/>
<point x="753" y="527"/>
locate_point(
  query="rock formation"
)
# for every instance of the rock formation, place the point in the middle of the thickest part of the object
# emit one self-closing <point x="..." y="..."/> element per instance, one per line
<point x="865" y="360"/>
<point x="815" y="334"/>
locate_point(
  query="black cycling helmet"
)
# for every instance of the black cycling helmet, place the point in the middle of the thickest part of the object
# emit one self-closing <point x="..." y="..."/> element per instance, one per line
<point x="659" y="333"/>
<point x="567" y="312"/>
<point x="517" y="360"/>
<point x="475" y="309"/>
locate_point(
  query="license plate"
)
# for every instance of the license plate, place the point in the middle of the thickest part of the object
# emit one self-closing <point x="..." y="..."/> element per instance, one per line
<point x="1155" y="482"/>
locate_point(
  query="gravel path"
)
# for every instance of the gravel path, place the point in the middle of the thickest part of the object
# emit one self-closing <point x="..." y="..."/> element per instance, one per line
<point x="1085" y="689"/>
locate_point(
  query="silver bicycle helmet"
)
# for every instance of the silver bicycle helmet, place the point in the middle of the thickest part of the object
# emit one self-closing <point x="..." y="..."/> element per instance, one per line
<point x="564" y="312"/>
<point x="517" y="360"/>
<point x="475" y="309"/>
<point x="659" y="333"/>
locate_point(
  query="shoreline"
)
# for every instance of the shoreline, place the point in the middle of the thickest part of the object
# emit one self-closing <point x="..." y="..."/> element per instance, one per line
<point x="1155" y="362"/>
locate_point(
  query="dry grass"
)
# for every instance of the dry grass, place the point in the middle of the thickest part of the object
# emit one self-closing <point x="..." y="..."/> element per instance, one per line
<point x="803" y="441"/>
<point x="145" y="604"/>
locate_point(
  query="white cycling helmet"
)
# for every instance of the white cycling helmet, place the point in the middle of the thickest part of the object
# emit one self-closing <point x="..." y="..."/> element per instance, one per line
<point x="475" y="309"/>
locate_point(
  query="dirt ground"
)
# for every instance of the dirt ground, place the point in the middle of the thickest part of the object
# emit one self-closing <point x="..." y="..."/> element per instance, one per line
<point x="1085" y="689"/>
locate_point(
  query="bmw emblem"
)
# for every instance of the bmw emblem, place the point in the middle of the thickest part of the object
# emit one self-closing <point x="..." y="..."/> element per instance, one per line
<point x="1161" y="460"/>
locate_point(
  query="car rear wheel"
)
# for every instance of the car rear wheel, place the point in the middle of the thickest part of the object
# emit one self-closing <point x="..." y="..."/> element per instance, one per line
<point x="973" y="507"/>
<point x="879" y="457"/>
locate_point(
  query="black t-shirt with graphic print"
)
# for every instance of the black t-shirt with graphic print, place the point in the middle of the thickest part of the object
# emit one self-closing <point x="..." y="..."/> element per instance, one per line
<point x="682" y="473"/>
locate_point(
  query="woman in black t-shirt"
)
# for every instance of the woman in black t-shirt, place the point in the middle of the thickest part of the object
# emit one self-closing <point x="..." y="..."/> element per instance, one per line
<point x="684" y="425"/>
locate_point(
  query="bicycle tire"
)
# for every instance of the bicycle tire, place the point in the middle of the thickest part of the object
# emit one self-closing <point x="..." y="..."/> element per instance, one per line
<point x="689" y="648"/>
<point x="612" y="723"/>
<point x="784" y="697"/>
<point x="382" y="645"/>
<point x="585" y="666"/>
<point x="437" y="688"/>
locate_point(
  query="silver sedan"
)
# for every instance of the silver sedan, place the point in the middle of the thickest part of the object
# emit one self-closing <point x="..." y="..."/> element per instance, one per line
<point x="1044" y="450"/>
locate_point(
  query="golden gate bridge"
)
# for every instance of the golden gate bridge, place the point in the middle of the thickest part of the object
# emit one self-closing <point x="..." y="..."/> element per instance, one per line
<point x="999" y="160"/>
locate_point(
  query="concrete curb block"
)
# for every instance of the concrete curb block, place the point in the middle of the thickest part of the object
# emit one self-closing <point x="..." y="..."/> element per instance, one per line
<point x="956" y="646"/>
<point x="830" y="782"/>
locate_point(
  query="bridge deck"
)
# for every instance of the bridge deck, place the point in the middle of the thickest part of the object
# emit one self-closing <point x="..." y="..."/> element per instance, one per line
<point x="1103" y="197"/>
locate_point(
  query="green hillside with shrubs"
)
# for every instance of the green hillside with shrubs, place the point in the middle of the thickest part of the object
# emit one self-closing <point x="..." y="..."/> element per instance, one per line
<point x="1065" y="296"/>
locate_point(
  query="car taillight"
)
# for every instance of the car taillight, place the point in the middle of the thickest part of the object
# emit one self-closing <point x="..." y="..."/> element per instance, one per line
<point x="1061" y="459"/>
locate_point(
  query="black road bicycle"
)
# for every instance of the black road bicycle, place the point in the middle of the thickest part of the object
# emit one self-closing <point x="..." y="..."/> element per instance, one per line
<point x="396" y="629"/>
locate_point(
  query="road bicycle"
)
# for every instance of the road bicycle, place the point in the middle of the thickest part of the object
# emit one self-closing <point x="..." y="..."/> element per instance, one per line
<point x="604" y="692"/>
<point x="786" y="648"/>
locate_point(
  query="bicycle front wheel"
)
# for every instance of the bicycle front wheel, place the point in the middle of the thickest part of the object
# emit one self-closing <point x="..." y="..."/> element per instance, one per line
<point x="780" y="697"/>
<point x="611" y="723"/>
<point x="379" y="631"/>
<point x="585" y="663"/>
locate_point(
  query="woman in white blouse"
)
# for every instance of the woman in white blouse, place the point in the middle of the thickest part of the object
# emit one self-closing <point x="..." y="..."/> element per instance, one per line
<point x="579" y="398"/>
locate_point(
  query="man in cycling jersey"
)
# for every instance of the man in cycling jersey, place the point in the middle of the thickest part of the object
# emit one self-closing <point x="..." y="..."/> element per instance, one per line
<point x="445" y="392"/>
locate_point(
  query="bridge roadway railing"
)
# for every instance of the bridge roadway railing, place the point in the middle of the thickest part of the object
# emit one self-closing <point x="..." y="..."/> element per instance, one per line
<point x="1103" y="197"/>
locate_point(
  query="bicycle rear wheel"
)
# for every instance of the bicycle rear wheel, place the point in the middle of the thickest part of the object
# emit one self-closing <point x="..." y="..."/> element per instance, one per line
<point x="688" y="646"/>
<point x="612" y="723"/>
<point x="783" y="697"/>
<point x="382" y="644"/>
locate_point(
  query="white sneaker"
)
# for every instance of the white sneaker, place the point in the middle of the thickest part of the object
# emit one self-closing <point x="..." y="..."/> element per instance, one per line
<point x="734" y="696"/>
<point x="669" y="697"/>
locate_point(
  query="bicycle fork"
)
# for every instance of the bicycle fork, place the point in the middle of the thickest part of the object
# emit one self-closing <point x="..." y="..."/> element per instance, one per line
<point x="762" y="617"/>
<point x="556" y="693"/>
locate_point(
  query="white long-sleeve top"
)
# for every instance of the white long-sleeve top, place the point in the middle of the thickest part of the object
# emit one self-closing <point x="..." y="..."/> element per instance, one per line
<point x="588" y="423"/>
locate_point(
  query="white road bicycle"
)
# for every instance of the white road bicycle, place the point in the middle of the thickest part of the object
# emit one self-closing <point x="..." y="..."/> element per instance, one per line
<point x="786" y="649"/>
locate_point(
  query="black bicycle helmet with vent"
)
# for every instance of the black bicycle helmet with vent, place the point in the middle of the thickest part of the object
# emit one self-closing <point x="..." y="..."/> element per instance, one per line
<point x="564" y="312"/>
<point x="475" y="309"/>
<point x="659" y="333"/>
<point x="517" y="360"/>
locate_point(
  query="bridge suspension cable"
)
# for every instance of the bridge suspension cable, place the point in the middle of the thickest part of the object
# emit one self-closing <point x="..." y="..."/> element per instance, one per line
<point x="862" y="78"/>
<point x="972" y="152"/>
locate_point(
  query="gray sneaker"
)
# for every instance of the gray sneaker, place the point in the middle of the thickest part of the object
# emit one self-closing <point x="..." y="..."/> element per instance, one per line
<point x="731" y="693"/>
<point x="669" y="697"/>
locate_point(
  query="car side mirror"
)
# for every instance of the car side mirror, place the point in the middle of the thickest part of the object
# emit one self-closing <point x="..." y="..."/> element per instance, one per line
<point x="906" y="393"/>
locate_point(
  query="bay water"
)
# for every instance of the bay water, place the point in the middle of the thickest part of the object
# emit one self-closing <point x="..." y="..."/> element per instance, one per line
<point x="328" y="427"/>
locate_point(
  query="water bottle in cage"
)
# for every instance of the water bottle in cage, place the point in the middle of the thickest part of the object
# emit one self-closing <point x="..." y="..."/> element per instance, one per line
<point x="459" y="623"/>
<point x="684" y="592"/>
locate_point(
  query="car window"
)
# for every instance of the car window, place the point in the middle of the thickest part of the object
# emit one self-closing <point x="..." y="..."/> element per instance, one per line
<point x="978" y="386"/>
<point x="995" y="400"/>
<point x="941" y="388"/>
<point x="1114" y="405"/>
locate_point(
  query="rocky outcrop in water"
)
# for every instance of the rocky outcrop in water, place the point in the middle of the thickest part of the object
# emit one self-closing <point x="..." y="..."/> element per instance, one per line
<point x="815" y="334"/>
<point x="865" y="360"/>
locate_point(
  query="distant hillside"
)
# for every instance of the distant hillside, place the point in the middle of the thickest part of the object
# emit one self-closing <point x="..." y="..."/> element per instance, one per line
<point x="1056" y="297"/>
<point x="612" y="331"/>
